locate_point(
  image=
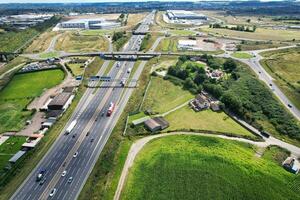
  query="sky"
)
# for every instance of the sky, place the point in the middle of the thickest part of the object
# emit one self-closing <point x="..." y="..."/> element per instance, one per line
<point x="87" y="1"/>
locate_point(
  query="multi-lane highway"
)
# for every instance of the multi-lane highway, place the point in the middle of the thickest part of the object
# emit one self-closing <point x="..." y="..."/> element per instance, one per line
<point x="87" y="138"/>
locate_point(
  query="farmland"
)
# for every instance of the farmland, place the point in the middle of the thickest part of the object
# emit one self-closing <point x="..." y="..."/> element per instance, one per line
<point x="19" y="92"/>
<point x="74" y="42"/>
<point x="194" y="167"/>
<point x="283" y="66"/>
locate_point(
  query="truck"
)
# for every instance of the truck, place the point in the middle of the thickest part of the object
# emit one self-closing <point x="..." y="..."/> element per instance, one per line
<point x="40" y="175"/>
<point x="70" y="127"/>
<point x="110" y="109"/>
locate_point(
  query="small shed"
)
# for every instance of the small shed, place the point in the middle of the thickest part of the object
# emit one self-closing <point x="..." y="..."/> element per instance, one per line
<point x="17" y="156"/>
<point x="152" y="125"/>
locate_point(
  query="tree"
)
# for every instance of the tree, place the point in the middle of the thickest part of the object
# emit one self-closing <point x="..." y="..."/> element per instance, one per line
<point x="199" y="78"/>
<point x="232" y="102"/>
<point x="229" y="65"/>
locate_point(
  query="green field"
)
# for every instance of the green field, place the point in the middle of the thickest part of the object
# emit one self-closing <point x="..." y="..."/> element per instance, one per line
<point x="182" y="32"/>
<point x="185" y="119"/>
<point x="242" y="55"/>
<point x="49" y="55"/>
<point x="283" y="66"/>
<point x="195" y="167"/>
<point x="19" y="92"/>
<point x="259" y="34"/>
<point x="8" y="149"/>
<point x="74" y="42"/>
<point x="163" y="95"/>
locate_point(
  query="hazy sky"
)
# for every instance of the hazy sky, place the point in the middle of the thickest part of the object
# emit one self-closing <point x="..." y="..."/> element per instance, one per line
<point x="86" y="1"/>
<point x="83" y="1"/>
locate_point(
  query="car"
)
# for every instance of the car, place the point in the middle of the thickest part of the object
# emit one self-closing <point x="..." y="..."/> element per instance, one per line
<point x="102" y="114"/>
<point x="129" y="70"/>
<point x="75" y="154"/>
<point x="53" y="191"/>
<point x="290" y="106"/>
<point x="64" y="173"/>
<point x="92" y="140"/>
<point x="270" y="84"/>
<point x="70" y="179"/>
<point x="73" y="136"/>
<point x="87" y="134"/>
<point x="43" y="181"/>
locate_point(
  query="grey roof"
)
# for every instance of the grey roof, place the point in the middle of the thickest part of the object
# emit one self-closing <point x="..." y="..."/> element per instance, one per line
<point x="152" y="124"/>
<point x="162" y="122"/>
<point x="16" y="157"/>
<point x="60" y="99"/>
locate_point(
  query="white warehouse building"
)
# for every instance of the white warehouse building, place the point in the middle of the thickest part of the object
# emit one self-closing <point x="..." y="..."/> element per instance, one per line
<point x="184" y="15"/>
<point x="97" y="23"/>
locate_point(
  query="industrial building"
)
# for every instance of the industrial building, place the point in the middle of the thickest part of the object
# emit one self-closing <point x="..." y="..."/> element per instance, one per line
<point x="97" y="23"/>
<point x="184" y="17"/>
<point x="187" y="45"/>
<point x="60" y="101"/>
<point x="24" y="21"/>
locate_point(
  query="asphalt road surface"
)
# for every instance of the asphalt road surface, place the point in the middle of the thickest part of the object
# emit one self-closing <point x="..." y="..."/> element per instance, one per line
<point x="87" y="138"/>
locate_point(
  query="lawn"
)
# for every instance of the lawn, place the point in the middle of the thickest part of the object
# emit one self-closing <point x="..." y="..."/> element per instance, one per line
<point x="259" y="34"/>
<point x="185" y="118"/>
<point x="283" y="66"/>
<point x="74" y="42"/>
<point x="19" y="92"/>
<point x="242" y="55"/>
<point x="8" y="149"/>
<point x="163" y="95"/>
<point x="195" y="167"/>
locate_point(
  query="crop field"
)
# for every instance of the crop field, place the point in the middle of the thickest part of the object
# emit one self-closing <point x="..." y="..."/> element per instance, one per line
<point x="185" y="119"/>
<point x="242" y="55"/>
<point x="283" y="66"/>
<point x="73" y="42"/>
<point x="197" y="167"/>
<point x="163" y="95"/>
<point x="19" y="92"/>
<point x="259" y="34"/>
<point x="8" y="149"/>
<point x="41" y="43"/>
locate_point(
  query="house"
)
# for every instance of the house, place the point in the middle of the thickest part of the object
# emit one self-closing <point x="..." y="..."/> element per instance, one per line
<point x="199" y="103"/>
<point x="290" y="164"/>
<point x="156" y="124"/>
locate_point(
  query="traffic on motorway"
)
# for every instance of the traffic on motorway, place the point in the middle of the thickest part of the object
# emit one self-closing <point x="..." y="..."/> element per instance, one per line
<point x="63" y="171"/>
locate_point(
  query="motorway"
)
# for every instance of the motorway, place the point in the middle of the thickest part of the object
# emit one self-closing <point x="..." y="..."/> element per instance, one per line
<point x="88" y="137"/>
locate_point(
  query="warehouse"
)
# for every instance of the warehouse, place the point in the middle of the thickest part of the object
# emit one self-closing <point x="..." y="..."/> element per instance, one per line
<point x="97" y="23"/>
<point x="184" y="15"/>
